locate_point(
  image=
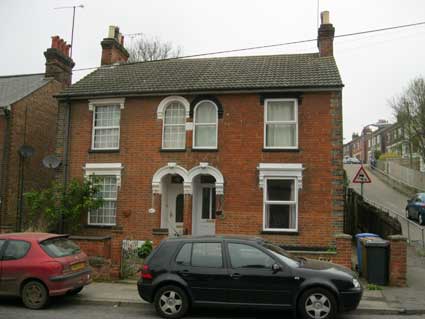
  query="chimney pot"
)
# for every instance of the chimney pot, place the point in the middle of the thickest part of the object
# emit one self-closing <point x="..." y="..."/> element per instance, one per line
<point x="55" y="41"/>
<point x="111" y="32"/>
<point x="324" y="17"/>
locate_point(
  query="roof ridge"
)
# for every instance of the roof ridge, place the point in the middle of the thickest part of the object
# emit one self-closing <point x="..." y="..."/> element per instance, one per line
<point x="19" y="75"/>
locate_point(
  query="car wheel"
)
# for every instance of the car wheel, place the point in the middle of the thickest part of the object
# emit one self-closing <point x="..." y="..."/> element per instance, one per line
<point x="171" y="302"/>
<point x="317" y="303"/>
<point x="75" y="291"/>
<point x="35" y="295"/>
<point x="421" y="219"/>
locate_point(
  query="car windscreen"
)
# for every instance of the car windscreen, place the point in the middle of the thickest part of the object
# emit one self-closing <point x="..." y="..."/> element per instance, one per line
<point x="283" y="255"/>
<point x="59" y="247"/>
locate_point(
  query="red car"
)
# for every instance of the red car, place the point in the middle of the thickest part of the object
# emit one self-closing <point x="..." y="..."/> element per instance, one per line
<point x="36" y="266"/>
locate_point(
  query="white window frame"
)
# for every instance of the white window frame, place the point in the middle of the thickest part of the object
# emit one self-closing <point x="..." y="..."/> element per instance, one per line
<point x="163" y="126"/>
<point x="104" y="169"/>
<point x="105" y="102"/>
<point x="295" y="121"/>
<point x="279" y="171"/>
<point x="205" y="124"/>
<point x="275" y="202"/>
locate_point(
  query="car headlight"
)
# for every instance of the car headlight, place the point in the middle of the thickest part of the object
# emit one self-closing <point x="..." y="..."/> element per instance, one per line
<point x="356" y="283"/>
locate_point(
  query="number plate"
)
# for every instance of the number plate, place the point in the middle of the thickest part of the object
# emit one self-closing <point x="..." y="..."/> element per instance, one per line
<point x="78" y="266"/>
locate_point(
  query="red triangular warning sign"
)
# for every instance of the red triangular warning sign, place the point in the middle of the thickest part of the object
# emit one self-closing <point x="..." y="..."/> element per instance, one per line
<point x="361" y="176"/>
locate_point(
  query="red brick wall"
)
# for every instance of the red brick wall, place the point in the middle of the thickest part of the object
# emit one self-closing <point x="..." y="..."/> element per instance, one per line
<point x="240" y="145"/>
<point x="41" y="135"/>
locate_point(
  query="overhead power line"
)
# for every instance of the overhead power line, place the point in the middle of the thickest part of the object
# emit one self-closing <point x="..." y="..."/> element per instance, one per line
<point x="271" y="45"/>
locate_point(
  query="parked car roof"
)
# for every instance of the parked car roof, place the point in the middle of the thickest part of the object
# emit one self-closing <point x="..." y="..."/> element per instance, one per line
<point x="218" y="237"/>
<point x="31" y="236"/>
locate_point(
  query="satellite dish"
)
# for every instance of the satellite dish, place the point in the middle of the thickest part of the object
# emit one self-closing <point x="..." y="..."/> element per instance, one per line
<point x="51" y="161"/>
<point x="26" y="151"/>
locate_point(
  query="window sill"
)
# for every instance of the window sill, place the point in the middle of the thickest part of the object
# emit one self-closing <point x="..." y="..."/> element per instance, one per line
<point x="294" y="150"/>
<point x="172" y="150"/>
<point x="160" y="231"/>
<point x="279" y="232"/>
<point x="104" y="151"/>
<point x="204" y="149"/>
<point x="112" y="227"/>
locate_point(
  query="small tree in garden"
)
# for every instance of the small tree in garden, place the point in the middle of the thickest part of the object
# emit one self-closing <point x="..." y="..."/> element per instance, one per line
<point x="145" y="249"/>
<point x="47" y="207"/>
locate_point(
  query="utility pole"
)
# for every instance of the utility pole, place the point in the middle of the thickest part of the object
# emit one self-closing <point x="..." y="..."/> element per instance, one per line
<point x="73" y="23"/>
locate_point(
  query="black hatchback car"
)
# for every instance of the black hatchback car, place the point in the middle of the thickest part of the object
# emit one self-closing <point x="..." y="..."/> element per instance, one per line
<point x="250" y="272"/>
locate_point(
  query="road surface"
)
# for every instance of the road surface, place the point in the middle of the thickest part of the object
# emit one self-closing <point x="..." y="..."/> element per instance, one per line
<point x="387" y="197"/>
<point x="12" y="309"/>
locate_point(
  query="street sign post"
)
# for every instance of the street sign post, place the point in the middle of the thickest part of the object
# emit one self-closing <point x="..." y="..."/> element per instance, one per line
<point x="361" y="178"/>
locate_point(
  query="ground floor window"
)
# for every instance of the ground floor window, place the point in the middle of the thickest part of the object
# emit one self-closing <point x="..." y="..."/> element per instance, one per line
<point x="106" y="214"/>
<point x="280" y="204"/>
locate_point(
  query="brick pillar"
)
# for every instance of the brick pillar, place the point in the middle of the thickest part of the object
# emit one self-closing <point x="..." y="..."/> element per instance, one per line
<point x="343" y="250"/>
<point x="398" y="258"/>
<point x="187" y="214"/>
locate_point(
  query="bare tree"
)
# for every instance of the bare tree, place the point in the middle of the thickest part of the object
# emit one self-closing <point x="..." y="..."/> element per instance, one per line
<point x="145" y="48"/>
<point x="409" y="110"/>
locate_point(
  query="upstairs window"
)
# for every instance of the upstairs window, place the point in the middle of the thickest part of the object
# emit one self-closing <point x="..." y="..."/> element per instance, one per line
<point x="106" y="127"/>
<point x="174" y="129"/>
<point x="281" y="123"/>
<point x="205" y="125"/>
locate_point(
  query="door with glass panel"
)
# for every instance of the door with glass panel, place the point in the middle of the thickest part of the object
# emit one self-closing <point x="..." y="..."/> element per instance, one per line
<point x="204" y="214"/>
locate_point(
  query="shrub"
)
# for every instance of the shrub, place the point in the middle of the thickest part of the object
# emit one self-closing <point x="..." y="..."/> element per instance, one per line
<point x="145" y="249"/>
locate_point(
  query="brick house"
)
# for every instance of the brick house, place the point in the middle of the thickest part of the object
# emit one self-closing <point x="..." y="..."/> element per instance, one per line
<point x="235" y="145"/>
<point x="28" y="112"/>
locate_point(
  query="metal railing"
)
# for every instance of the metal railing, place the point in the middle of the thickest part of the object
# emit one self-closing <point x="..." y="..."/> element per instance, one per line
<point x="415" y="233"/>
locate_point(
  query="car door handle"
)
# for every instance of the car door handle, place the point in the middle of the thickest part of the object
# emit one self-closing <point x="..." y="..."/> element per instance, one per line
<point x="235" y="275"/>
<point x="184" y="272"/>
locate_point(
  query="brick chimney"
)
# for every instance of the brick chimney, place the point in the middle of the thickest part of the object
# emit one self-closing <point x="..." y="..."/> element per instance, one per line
<point x="325" y="38"/>
<point x="113" y="50"/>
<point x="58" y="62"/>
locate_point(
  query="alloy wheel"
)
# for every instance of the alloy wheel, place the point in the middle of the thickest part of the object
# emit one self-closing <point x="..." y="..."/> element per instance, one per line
<point x="318" y="306"/>
<point x="170" y="302"/>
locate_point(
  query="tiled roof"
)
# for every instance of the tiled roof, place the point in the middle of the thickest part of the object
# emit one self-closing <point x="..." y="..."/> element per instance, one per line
<point x="15" y="87"/>
<point x="210" y="74"/>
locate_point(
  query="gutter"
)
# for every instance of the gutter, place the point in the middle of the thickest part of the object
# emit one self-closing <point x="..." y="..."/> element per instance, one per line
<point x="76" y="96"/>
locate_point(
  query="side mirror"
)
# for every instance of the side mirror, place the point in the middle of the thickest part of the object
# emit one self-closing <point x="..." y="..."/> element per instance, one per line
<point x="276" y="268"/>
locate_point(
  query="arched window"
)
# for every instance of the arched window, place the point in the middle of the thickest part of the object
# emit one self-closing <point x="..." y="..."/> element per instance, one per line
<point x="174" y="129"/>
<point x="205" y="125"/>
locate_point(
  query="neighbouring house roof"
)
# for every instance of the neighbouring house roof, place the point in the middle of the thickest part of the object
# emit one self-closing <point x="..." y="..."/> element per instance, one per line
<point x="210" y="74"/>
<point x="15" y="87"/>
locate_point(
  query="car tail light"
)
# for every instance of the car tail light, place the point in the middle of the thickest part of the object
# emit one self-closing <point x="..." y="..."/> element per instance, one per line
<point x="145" y="273"/>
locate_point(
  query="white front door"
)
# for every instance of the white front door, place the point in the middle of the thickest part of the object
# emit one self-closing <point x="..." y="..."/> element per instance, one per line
<point x="174" y="209"/>
<point x="204" y="213"/>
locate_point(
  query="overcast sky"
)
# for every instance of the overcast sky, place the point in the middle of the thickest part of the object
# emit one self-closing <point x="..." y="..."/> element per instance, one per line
<point x="374" y="67"/>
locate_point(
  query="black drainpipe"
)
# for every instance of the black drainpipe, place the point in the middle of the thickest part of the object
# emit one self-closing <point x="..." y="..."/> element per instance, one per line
<point x="67" y="140"/>
<point x="4" y="165"/>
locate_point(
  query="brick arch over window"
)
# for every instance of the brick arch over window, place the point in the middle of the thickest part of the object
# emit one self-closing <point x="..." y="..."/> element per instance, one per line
<point x="160" y="112"/>
<point x="205" y="169"/>
<point x="211" y="98"/>
<point x="172" y="169"/>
